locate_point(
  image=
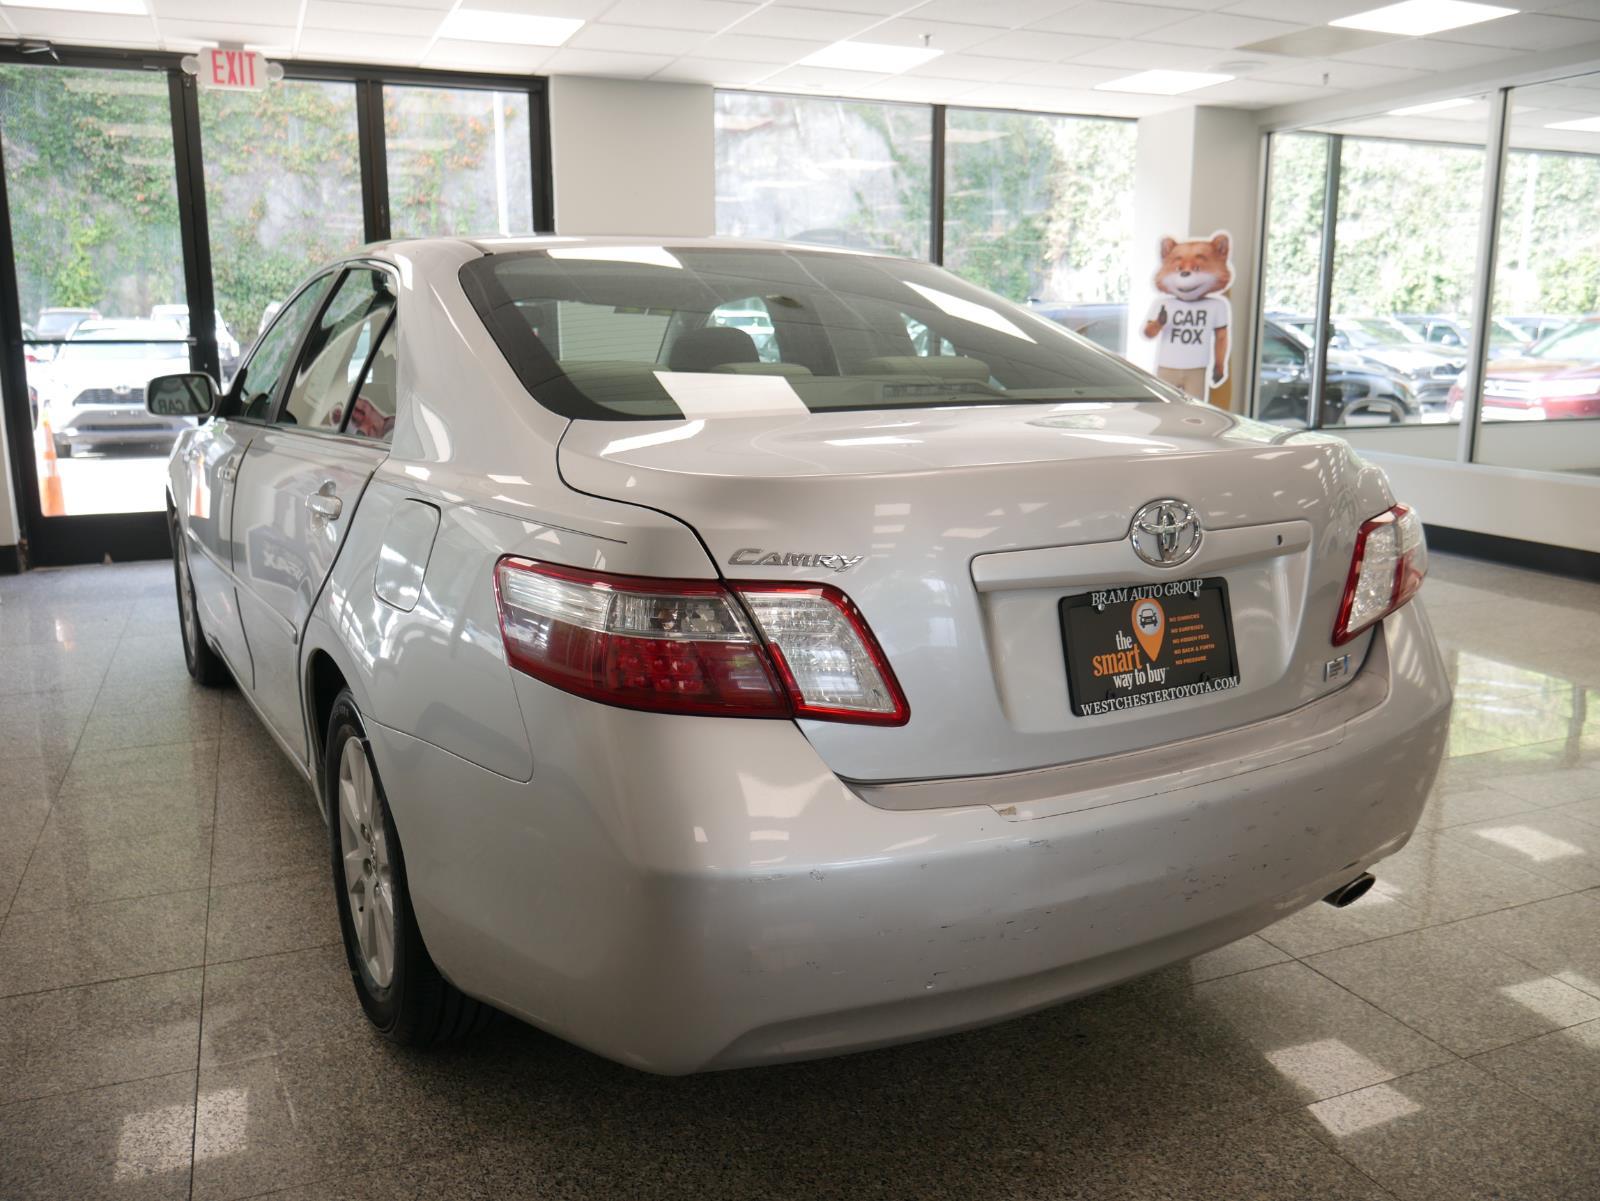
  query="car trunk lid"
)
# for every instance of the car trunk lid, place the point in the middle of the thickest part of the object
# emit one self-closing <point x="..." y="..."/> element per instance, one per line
<point x="958" y="532"/>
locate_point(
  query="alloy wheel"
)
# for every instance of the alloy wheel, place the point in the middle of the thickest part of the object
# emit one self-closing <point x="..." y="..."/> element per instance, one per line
<point x="368" y="873"/>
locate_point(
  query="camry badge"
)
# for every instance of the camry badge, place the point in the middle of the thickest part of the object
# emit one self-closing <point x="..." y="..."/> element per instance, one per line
<point x="1166" y="533"/>
<point x="754" y="556"/>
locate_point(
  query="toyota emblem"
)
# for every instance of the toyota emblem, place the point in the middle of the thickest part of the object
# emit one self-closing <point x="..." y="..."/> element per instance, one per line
<point x="1166" y="533"/>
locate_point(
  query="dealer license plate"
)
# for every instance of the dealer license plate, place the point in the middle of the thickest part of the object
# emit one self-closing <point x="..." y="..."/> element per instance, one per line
<point x="1144" y="644"/>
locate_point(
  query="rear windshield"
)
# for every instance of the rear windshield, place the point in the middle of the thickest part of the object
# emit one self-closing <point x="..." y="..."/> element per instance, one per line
<point x="651" y="332"/>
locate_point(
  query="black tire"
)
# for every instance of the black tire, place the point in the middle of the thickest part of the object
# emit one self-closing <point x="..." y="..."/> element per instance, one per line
<point x="204" y="664"/>
<point x="417" y="1007"/>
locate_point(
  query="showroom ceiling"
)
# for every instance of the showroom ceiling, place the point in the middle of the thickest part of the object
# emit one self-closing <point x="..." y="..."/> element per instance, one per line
<point x="1052" y="55"/>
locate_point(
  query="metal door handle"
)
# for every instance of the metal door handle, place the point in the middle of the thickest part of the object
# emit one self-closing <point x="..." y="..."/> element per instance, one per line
<point x="323" y="504"/>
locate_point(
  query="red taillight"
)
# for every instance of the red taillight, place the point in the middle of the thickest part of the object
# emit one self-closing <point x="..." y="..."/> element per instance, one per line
<point x="1386" y="570"/>
<point x="690" y="646"/>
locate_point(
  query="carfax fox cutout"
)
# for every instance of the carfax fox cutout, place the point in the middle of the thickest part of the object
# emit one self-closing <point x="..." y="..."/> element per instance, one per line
<point x="1191" y="314"/>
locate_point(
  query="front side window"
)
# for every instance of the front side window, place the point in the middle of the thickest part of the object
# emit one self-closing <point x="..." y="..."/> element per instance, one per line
<point x="652" y="332"/>
<point x="257" y="382"/>
<point x="337" y="350"/>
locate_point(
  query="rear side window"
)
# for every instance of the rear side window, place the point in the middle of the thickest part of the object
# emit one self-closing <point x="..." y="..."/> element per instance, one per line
<point x="257" y="382"/>
<point x="337" y="350"/>
<point x="373" y="407"/>
<point x="638" y="332"/>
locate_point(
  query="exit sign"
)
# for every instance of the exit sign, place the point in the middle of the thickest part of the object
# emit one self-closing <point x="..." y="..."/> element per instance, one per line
<point x="232" y="70"/>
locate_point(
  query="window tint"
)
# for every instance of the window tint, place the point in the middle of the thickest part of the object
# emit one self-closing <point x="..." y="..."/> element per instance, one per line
<point x="337" y="350"/>
<point x="257" y="383"/>
<point x="751" y="316"/>
<point x="1280" y="351"/>
<point x="650" y="332"/>
<point x="372" y="411"/>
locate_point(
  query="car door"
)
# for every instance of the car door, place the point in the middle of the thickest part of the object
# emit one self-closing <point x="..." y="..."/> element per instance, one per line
<point x="211" y="463"/>
<point x="298" y="485"/>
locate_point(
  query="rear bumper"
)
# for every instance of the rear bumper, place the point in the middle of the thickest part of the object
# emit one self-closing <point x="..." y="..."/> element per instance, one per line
<point x="715" y="897"/>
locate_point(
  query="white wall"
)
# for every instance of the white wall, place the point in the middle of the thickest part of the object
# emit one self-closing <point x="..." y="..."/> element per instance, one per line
<point x="632" y="158"/>
<point x="1198" y="170"/>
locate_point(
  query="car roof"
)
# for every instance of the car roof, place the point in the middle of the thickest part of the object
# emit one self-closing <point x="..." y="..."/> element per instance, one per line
<point x="158" y="329"/>
<point x="493" y="244"/>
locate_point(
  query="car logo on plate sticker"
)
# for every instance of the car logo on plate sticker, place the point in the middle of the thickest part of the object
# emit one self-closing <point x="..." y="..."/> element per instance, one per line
<point x="1166" y="533"/>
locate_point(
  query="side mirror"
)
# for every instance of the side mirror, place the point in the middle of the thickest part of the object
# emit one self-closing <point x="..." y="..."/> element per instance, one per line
<point x="191" y="394"/>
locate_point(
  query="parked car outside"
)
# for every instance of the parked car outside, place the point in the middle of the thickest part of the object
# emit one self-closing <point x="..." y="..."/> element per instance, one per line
<point x="1357" y="391"/>
<point x="1541" y="326"/>
<point x="1505" y="339"/>
<point x="227" y="344"/>
<point x="708" y="711"/>
<point x="1385" y="344"/>
<point x="1558" y="378"/>
<point x="55" y="324"/>
<point x="1104" y="324"/>
<point x="92" y="394"/>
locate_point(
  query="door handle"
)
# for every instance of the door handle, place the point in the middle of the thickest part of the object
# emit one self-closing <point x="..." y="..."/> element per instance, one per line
<point x="323" y="505"/>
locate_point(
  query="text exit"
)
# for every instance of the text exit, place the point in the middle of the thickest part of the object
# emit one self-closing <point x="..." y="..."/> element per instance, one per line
<point x="233" y="70"/>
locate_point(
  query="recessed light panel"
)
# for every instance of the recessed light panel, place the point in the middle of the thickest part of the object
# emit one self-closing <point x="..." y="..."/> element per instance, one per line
<point x="1163" y="83"/>
<point x="1419" y="18"/>
<point x="1582" y="125"/>
<point x="1436" y="106"/>
<point x="482" y="25"/>
<point x="120" y="8"/>
<point x="880" y="58"/>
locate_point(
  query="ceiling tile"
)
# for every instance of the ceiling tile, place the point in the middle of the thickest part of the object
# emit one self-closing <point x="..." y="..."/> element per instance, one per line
<point x="737" y="46"/>
<point x="371" y="18"/>
<point x="1304" y="12"/>
<point x="713" y="70"/>
<point x="1528" y="31"/>
<point x="817" y="24"/>
<point x="881" y="8"/>
<point x="260" y="12"/>
<point x="1259" y="93"/>
<point x="1424" y="54"/>
<point x="1067" y="75"/>
<point x="1147" y="56"/>
<point x="822" y="79"/>
<point x="1103" y="19"/>
<point x="1340" y="74"/>
<point x="584" y="10"/>
<point x="1039" y="47"/>
<point x="945" y="35"/>
<point x="1008" y="14"/>
<point x="92" y="29"/>
<point x="487" y="56"/>
<point x="1224" y="30"/>
<point x="970" y="67"/>
<point x="635" y="39"/>
<point x="212" y="31"/>
<point x="709" y="15"/>
<point x="605" y="62"/>
<point x="920" y="91"/>
<point x="372" y="47"/>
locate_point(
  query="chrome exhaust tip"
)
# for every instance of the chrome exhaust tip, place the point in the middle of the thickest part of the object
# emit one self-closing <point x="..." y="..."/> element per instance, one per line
<point x="1349" y="894"/>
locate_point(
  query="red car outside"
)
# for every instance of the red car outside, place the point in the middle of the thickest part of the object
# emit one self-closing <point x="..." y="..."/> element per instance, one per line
<point x="1558" y="378"/>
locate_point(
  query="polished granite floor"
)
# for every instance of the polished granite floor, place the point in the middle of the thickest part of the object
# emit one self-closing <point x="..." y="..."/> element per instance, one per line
<point x="176" y="1020"/>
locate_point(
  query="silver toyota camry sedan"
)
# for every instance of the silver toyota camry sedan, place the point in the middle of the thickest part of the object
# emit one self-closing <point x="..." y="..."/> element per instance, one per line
<point x="721" y="652"/>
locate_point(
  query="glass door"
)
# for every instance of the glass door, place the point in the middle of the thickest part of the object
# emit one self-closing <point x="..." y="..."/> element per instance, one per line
<point x="92" y="196"/>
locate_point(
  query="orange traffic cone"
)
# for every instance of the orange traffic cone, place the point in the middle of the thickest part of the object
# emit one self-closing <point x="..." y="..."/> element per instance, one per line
<point x="52" y="500"/>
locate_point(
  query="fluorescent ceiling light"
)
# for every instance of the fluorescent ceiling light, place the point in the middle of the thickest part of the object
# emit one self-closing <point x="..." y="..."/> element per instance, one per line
<point x="483" y="25"/>
<point x="1419" y="18"/>
<point x="1163" y="83"/>
<point x="121" y="8"/>
<point x="1582" y="124"/>
<point x="878" y="57"/>
<point x="1436" y="106"/>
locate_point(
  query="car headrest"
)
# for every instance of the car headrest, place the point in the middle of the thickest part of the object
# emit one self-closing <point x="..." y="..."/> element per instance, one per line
<point x="704" y="349"/>
<point x="790" y="369"/>
<point x="940" y="366"/>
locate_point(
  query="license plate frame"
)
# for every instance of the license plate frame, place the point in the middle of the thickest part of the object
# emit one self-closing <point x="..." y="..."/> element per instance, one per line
<point x="1192" y="645"/>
